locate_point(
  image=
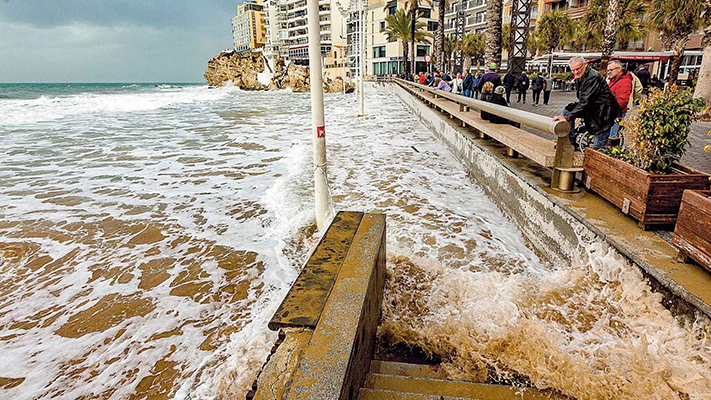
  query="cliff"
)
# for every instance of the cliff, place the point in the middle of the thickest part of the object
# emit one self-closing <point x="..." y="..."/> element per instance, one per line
<point x="242" y="68"/>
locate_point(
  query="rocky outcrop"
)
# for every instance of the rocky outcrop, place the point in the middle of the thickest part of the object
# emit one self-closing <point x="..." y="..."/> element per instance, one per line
<point x="242" y="68"/>
<point x="239" y="68"/>
<point x="294" y="76"/>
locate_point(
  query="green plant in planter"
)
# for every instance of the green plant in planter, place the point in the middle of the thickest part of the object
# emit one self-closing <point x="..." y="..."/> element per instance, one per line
<point x="659" y="131"/>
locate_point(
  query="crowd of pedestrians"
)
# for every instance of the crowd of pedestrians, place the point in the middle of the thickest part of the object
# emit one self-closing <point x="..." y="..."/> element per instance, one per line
<point x="602" y="101"/>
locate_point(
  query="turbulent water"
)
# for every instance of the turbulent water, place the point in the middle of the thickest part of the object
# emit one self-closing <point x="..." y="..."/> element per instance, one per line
<point x="148" y="233"/>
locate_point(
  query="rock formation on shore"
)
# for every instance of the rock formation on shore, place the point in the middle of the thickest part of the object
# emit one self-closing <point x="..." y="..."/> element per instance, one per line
<point x="239" y="68"/>
<point x="242" y="68"/>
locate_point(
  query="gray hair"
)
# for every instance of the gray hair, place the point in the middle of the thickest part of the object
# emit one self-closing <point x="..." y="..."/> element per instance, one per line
<point x="576" y="60"/>
<point x="499" y="90"/>
<point x="616" y="62"/>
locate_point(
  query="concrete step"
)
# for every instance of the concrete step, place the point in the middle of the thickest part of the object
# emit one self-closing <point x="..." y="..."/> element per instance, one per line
<point x="407" y="369"/>
<point x="372" y="394"/>
<point x="384" y="386"/>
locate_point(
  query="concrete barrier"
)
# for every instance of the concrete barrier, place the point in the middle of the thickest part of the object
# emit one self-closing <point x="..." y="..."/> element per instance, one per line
<point x="556" y="223"/>
<point x="325" y="352"/>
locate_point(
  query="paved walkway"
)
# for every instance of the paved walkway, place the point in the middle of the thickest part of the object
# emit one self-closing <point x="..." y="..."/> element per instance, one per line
<point x="695" y="156"/>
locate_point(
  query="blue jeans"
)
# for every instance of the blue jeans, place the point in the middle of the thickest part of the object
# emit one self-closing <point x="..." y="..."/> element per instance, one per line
<point x="601" y="139"/>
<point x="616" y="128"/>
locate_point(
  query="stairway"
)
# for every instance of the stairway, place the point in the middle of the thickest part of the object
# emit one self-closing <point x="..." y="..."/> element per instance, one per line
<point x="402" y="381"/>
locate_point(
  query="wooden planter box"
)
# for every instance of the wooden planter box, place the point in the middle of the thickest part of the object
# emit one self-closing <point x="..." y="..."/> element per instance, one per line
<point x="649" y="198"/>
<point x="692" y="235"/>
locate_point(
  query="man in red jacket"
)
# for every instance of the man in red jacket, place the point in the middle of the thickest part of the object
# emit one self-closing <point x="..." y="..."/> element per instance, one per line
<point x="620" y="83"/>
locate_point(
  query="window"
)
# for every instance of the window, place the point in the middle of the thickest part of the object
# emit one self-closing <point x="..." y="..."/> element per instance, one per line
<point x="480" y="17"/>
<point x="425" y="12"/>
<point x="382" y="25"/>
<point x="378" y="51"/>
<point x="431" y="25"/>
<point x="392" y="8"/>
<point x="422" y="50"/>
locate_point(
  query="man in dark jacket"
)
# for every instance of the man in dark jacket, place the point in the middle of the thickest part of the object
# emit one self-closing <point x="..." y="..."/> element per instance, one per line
<point x="643" y="75"/>
<point x="490" y="76"/>
<point x="509" y="82"/>
<point x="467" y="83"/>
<point x="522" y="86"/>
<point x="537" y="87"/>
<point x="596" y="104"/>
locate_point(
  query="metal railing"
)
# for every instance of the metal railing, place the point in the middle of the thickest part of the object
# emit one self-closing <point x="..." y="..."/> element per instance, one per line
<point x="525" y="118"/>
<point x="563" y="165"/>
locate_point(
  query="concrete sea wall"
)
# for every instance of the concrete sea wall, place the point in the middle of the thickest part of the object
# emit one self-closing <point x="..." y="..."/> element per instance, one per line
<point x="558" y="224"/>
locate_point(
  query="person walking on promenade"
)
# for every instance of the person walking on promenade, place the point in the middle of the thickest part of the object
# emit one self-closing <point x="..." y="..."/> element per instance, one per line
<point x="457" y="84"/>
<point x="467" y="84"/>
<point x="475" y="85"/>
<point x="637" y="90"/>
<point x="522" y="86"/>
<point x="621" y="84"/>
<point x="490" y="76"/>
<point x="422" y="79"/>
<point x="547" y="88"/>
<point x="537" y="88"/>
<point x="643" y="75"/>
<point x="509" y="82"/>
<point x="596" y="104"/>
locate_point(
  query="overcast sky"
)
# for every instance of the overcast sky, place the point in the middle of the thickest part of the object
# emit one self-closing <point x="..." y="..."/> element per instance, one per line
<point x="111" y="40"/>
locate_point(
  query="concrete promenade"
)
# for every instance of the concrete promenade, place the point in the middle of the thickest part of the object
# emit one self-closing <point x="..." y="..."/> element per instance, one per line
<point x="694" y="157"/>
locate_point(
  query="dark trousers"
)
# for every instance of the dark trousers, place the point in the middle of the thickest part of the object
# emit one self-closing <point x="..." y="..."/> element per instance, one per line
<point x="508" y="94"/>
<point x="521" y="93"/>
<point x="546" y="96"/>
<point x="536" y="96"/>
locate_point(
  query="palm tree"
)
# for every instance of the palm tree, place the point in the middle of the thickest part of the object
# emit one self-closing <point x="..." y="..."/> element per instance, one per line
<point x="534" y="43"/>
<point x="494" y="10"/>
<point x="600" y="31"/>
<point x="472" y="48"/>
<point x="439" y="37"/>
<point x="555" y="27"/>
<point x="506" y="39"/>
<point x="413" y="6"/>
<point x="450" y="46"/>
<point x="397" y="27"/>
<point x="676" y="20"/>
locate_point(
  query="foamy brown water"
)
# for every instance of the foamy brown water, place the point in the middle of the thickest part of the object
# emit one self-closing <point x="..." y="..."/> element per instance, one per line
<point x="147" y="236"/>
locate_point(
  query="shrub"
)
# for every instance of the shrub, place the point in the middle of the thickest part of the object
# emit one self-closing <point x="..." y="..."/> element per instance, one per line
<point x="659" y="131"/>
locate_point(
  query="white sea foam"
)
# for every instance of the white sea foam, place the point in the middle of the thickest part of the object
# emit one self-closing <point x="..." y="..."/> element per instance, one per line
<point x="213" y="188"/>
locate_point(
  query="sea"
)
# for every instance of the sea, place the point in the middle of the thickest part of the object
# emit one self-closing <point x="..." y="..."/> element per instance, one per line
<point x="149" y="231"/>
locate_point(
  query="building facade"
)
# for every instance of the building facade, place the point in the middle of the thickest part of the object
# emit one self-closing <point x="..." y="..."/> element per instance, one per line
<point x="384" y="55"/>
<point x="249" y="30"/>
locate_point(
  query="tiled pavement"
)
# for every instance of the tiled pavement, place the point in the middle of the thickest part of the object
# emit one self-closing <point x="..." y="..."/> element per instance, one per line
<point x="695" y="156"/>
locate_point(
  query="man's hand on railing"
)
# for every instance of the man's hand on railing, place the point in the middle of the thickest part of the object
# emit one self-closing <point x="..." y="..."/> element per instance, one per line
<point x="559" y="118"/>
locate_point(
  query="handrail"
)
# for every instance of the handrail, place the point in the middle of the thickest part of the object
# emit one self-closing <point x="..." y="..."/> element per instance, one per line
<point x="558" y="128"/>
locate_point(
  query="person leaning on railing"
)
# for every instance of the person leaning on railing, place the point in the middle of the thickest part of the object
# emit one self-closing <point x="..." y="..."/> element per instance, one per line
<point x="596" y="104"/>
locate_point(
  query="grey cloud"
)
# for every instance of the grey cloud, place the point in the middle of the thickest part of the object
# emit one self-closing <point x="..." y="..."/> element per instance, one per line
<point x="157" y="13"/>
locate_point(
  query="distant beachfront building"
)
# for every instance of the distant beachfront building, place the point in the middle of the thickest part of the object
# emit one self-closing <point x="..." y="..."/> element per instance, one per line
<point x="383" y="55"/>
<point x="248" y="26"/>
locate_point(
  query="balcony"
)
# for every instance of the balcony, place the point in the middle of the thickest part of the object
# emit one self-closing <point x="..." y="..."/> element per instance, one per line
<point x="575" y="12"/>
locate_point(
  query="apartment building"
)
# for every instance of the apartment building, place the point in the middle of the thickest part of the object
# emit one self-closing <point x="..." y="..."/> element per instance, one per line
<point x="277" y="32"/>
<point x="248" y="26"/>
<point x="474" y="16"/>
<point x="331" y="24"/>
<point x="384" y="55"/>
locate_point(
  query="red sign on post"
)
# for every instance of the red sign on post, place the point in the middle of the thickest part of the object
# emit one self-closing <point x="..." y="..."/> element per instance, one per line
<point x="428" y="58"/>
<point x="321" y="131"/>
